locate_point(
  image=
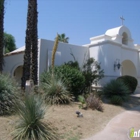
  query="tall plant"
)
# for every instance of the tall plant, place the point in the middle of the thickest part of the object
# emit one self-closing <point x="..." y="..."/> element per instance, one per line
<point x="1" y="33"/>
<point x="34" y="68"/>
<point x="63" y="38"/>
<point x="54" y="50"/>
<point x="31" y="50"/>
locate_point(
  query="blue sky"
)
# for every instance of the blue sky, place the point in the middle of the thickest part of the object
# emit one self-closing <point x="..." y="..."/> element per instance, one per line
<point x="78" y="19"/>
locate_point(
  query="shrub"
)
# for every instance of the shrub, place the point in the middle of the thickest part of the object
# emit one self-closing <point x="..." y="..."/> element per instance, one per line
<point x="129" y="81"/>
<point x="117" y="100"/>
<point x="92" y="72"/>
<point x="31" y="111"/>
<point x="8" y="91"/>
<point x="74" y="79"/>
<point x="94" y="102"/>
<point x="55" y="91"/>
<point x="117" y="88"/>
<point x="82" y="100"/>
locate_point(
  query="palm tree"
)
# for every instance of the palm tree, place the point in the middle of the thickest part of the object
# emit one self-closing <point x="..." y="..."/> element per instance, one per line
<point x="30" y="67"/>
<point x="63" y="38"/>
<point x="27" y="54"/>
<point x="1" y="33"/>
<point x="34" y="68"/>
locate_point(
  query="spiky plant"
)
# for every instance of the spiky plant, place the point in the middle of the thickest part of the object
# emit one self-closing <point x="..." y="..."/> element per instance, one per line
<point x="31" y="111"/>
<point x="117" y="100"/>
<point x="8" y="94"/>
<point x="54" y="50"/>
<point x="117" y="88"/>
<point x="55" y="91"/>
<point x="1" y="33"/>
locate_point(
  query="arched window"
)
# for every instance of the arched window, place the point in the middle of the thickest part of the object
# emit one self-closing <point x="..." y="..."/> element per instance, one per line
<point x="124" y="39"/>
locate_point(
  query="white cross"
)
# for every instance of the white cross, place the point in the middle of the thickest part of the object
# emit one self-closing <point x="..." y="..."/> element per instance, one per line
<point x="122" y="19"/>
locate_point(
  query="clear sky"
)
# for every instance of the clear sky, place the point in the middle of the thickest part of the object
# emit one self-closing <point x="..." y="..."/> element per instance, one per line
<point x="78" y="19"/>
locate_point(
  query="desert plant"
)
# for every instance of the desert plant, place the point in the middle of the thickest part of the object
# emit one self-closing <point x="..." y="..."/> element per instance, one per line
<point x="94" y="102"/>
<point x="117" y="100"/>
<point x="31" y="111"/>
<point x="73" y="77"/>
<point x="82" y="100"/>
<point x="55" y="91"/>
<point x="54" y="50"/>
<point x="129" y="81"/>
<point x="8" y="94"/>
<point x="116" y="87"/>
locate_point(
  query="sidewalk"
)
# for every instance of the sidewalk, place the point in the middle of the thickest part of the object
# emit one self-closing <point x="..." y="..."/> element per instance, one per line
<point x="118" y="128"/>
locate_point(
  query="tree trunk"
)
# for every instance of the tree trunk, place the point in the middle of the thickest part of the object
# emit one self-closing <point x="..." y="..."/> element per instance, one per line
<point x="30" y="67"/>
<point x="28" y="39"/>
<point x="34" y="69"/>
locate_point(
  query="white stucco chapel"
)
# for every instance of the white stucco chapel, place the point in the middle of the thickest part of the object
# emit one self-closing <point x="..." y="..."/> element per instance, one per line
<point x="114" y="49"/>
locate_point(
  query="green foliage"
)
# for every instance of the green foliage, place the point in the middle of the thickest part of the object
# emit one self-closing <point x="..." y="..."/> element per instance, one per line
<point x="92" y="72"/>
<point x="73" y="77"/>
<point x="116" y="88"/>
<point x="94" y="102"/>
<point x="8" y="92"/>
<point x="117" y="100"/>
<point x="63" y="38"/>
<point x="31" y="111"/>
<point x="9" y="43"/>
<point x="72" y="64"/>
<point x="55" y="91"/>
<point x="129" y="81"/>
<point x="82" y="100"/>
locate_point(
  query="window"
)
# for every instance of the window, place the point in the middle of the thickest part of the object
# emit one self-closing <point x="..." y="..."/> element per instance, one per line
<point x="124" y="39"/>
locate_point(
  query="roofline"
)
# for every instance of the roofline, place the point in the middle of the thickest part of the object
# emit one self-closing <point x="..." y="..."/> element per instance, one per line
<point x="14" y="53"/>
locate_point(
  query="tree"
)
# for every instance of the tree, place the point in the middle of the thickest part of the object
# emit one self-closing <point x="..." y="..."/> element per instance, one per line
<point x="30" y="66"/>
<point x="34" y="68"/>
<point x="1" y="33"/>
<point x="63" y="38"/>
<point x="9" y="43"/>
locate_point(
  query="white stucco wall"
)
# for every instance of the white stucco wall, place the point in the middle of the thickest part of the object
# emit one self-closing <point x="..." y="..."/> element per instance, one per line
<point x="63" y="53"/>
<point x="12" y="62"/>
<point x="107" y="53"/>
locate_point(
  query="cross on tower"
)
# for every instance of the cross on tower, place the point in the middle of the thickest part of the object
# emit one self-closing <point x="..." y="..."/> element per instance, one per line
<point x="122" y="19"/>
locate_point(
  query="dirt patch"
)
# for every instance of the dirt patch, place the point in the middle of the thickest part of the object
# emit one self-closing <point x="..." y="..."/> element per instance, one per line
<point x="68" y="125"/>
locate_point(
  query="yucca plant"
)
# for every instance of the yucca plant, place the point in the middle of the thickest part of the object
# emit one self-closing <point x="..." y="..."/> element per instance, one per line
<point x="116" y="88"/>
<point x="55" y="91"/>
<point x="8" y="94"/>
<point x="117" y="100"/>
<point x="31" y="111"/>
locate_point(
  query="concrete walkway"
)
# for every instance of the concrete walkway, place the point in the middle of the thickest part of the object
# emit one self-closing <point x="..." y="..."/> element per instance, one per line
<point x="118" y="128"/>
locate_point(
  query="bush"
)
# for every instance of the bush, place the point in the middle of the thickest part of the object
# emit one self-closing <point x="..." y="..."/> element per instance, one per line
<point x="117" y="100"/>
<point x="90" y="101"/>
<point x="94" y="102"/>
<point x="129" y="81"/>
<point x="31" y="111"/>
<point x="92" y="72"/>
<point x="8" y="91"/>
<point x="55" y="91"/>
<point x="74" y="79"/>
<point x="116" y="88"/>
